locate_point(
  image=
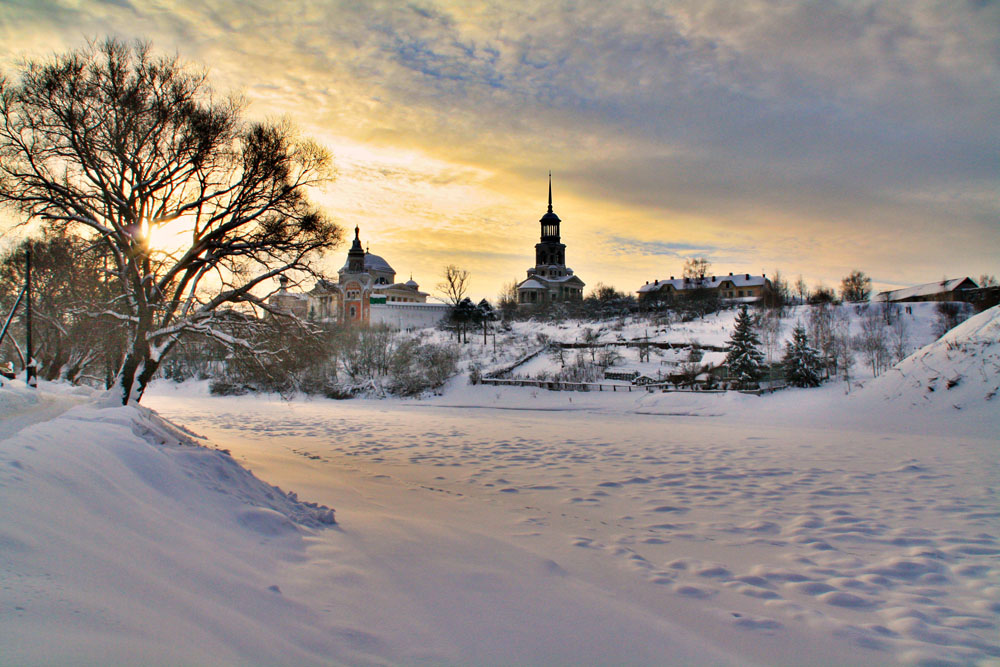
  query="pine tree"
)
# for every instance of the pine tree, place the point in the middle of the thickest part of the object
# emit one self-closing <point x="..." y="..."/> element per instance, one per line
<point x="802" y="362"/>
<point x="744" y="359"/>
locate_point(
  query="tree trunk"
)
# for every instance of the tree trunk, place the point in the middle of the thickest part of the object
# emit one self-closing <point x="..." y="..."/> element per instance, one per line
<point x="136" y="372"/>
<point x="127" y="374"/>
<point x="131" y="380"/>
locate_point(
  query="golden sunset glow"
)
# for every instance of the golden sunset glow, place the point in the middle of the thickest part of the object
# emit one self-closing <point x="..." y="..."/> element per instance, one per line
<point x="169" y="235"/>
<point x="814" y="138"/>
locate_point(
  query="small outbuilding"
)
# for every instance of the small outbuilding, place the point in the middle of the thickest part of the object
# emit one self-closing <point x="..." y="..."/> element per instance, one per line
<point x="957" y="289"/>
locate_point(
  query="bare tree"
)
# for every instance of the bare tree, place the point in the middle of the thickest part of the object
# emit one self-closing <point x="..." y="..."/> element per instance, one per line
<point x="116" y="143"/>
<point x="558" y="353"/>
<point x="948" y="315"/>
<point x="899" y="338"/>
<point x="768" y="322"/>
<point x="988" y="280"/>
<point x="841" y="345"/>
<point x="856" y="287"/>
<point x="70" y="342"/>
<point x="872" y="341"/>
<point x="454" y="284"/>
<point x="801" y="289"/>
<point x="288" y="355"/>
<point x="417" y="366"/>
<point x="367" y="352"/>
<point x="608" y="357"/>
<point x="696" y="268"/>
<point x="777" y="295"/>
<point x="822" y="294"/>
<point x="821" y="331"/>
<point x="507" y="298"/>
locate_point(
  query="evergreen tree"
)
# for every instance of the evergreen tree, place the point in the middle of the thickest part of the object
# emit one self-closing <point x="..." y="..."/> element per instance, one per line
<point x="802" y="362"/>
<point x="744" y="359"/>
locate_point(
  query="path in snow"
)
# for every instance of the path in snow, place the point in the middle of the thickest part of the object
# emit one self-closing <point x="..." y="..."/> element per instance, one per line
<point x="22" y="406"/>
<point x="777" y="543"/>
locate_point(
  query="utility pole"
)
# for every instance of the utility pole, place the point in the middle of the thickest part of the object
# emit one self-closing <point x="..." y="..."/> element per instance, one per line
<point x="29" y="364"/>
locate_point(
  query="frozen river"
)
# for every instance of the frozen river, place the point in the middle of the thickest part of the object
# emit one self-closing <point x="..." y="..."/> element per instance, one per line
<point x="562" y="532"/>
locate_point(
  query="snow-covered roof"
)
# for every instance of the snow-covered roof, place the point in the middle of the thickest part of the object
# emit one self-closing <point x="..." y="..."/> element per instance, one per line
<point x="708" y="282"/>
<point x="560" y="279"/>
<point x="531" y="284"/>
<point x="409" y="286"/>
<point x="927" y="289"/>
<point x="372" y="263"/>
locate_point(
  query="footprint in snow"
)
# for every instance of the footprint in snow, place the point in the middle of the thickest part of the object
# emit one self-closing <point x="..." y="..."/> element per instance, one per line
<point x="849" y="600"/>
<point x="670" y="508"/>
<point x="756" y="624"/>
<point x="697" y="592"/>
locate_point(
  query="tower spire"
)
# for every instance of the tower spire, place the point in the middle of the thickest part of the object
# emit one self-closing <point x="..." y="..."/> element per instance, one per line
<point x="550" y="191"/>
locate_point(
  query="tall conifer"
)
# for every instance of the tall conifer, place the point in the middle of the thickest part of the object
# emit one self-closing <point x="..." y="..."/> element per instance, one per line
<point x="743" y="358"/>
<point x="802" y="363"/>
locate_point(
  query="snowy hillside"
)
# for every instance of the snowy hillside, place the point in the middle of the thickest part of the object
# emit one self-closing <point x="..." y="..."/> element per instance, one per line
<point x="960" y="371"/>
<point x="665" y="332"/>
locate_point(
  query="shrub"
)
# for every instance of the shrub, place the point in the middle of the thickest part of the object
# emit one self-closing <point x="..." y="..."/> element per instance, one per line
<point x="416" y="367"/>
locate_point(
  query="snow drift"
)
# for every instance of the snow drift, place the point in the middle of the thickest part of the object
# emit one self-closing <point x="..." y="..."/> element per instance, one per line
<point x="959" y="371"/>
<point x="122" y="534"/>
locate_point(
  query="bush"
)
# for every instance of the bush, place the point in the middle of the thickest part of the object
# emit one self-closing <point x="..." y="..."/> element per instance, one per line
<point x="226" y="388"/>
<point x="416" y="367"/>
<point x="949" y="315"/>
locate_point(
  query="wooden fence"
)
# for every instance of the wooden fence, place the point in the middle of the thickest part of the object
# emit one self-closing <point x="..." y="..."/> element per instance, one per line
<point x="558" y="385"/>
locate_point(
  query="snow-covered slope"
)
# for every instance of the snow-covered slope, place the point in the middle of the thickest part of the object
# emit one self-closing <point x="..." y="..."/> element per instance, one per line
<point x="118" y="535"/>
<point x="959" y="371"/>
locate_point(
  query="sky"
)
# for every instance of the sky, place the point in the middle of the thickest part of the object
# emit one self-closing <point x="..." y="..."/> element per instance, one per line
<point x="808" y="137"/>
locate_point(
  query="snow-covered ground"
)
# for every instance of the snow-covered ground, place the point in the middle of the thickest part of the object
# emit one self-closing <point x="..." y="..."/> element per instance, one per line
<point x="512" y="526"/>
<point x="712" y="331"/>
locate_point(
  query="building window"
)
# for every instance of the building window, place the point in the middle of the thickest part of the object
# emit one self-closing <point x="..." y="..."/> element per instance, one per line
<point x="354" y="312"/>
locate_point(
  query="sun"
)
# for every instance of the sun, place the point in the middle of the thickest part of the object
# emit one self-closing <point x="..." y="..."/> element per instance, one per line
<point x="168" y="235"/>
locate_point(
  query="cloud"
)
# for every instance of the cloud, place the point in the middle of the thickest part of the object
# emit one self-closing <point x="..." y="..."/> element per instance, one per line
<point x="823" y="134"/>
<point x="620" y="245"/>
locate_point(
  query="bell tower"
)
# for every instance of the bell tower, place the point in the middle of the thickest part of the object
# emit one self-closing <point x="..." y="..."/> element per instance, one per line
<point x="549" y="251"/>
<point x="356" y="255"/>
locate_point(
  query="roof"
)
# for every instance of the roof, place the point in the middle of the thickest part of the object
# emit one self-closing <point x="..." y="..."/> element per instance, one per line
<point x="927" y="289"/>
<point x="560" y="279"/>
<point x="372" y="263"/>
<point x="545" y="282"/>
<point x="709" y="282"/>
<point x="409" y="287"/>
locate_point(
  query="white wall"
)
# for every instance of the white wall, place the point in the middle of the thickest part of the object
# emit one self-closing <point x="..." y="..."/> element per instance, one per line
<point x="408" y="315"/>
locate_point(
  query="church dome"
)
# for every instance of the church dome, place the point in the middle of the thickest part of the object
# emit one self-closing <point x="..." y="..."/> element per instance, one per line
<point x="412" y="283"/>
<point x="376" y="263"/>
<point x="372" y="263"/>
<point x="549" y="217"/>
